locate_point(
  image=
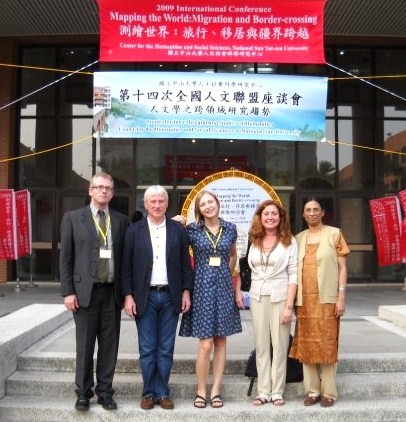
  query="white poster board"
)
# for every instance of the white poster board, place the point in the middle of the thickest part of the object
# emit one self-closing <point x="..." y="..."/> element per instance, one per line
<point x="239" y="193"/>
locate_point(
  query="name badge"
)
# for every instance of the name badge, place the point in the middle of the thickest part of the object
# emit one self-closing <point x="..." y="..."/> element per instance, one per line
<point x="105" y="253"/>
<point x="214" y="261"/>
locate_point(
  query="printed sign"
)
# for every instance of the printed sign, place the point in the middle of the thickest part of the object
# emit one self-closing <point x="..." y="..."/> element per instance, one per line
<point x="23" y="208"/>
<point x="387" y="224"/>
<point x="207" y="105"/>
<point x="8" y="243"/>
<point x="257" y="31"/>
<point x="239" y="194"/>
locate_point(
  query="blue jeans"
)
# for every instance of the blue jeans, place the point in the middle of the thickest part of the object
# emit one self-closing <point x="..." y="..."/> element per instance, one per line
<point x="156" y="341"/>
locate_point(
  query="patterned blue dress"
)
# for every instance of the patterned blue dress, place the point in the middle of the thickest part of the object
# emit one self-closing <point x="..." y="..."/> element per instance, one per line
<point x="213" y="312"/>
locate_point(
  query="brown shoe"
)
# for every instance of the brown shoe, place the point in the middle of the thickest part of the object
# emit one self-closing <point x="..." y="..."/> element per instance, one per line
<point x="327" y="402"/>
<point x="166" y="403"/>
<point x="311" y="400"/>
<point x="147" y="403"/>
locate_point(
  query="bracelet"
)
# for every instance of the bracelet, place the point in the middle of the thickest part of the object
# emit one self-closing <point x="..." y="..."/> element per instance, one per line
<point x="290" y="307"/>
<point x="341" y="288"/>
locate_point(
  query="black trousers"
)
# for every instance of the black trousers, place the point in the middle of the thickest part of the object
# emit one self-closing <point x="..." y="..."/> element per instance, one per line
<point x="99" y="321"/>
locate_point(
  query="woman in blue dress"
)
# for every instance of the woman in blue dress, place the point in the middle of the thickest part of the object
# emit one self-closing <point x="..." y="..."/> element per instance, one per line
<point x="214" y="314"/>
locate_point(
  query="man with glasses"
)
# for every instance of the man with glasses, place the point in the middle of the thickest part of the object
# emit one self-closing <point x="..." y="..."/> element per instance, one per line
<point x="90" y="261"/>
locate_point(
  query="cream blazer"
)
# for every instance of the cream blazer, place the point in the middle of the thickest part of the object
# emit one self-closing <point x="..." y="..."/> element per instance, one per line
<point x="279" y="276"/>
<point x="327" y="264"/>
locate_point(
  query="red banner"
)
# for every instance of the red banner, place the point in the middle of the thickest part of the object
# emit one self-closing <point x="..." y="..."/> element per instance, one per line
<point x="8" y="244"/>
<point x="402" y="198"/>
<point x="23" y="208"/>
<point x="387" y="224"/>
<point x="403" y="247"/>
<point x="258" y="31"/>
<point x="197" y="167"/>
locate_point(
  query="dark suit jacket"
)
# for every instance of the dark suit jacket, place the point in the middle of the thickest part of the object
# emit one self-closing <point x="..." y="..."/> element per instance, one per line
<point x="80" y="250"/>
<point x="138" y="261"/>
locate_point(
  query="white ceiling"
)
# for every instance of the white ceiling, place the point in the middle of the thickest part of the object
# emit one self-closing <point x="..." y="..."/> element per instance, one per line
<point x="21" y="18"/>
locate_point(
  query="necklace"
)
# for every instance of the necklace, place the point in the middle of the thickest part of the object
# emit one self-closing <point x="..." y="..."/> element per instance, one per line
<point x="266" y="255"/>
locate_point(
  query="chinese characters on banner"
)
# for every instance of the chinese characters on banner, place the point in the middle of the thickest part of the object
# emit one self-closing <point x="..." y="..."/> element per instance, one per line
<point x="387" y="225"/>
<point x="23" y="208"/>
<point x="15" y="224"/>
<point x="8" y="241"/>
<point x="260" y="31"/>
<point x="207" y="105"/>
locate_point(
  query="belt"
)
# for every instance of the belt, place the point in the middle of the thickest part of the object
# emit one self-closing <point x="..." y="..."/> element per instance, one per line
<point x="164" y="288"/>
<point x="100" y="285"/>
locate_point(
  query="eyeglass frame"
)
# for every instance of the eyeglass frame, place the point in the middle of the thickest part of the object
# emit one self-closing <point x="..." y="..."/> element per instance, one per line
<point x="102" y="187"/>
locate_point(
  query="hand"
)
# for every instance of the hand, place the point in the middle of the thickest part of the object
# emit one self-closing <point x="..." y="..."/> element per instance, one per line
<point x="186" y="301"/>
<point x="71" y="303"/>
<point x="340" y="308"/>
<point x="180" y="219"/>
<point x="287" y="315"/>
<point x="239" y="299"/>
<point x="130" y="307"/>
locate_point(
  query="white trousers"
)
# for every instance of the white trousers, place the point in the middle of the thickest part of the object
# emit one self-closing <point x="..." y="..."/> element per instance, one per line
<point x="267" y="324"/>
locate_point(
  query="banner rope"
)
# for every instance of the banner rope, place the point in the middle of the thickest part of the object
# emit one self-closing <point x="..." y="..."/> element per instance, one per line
<point x="48" y="69"/>
<point x="367" y="82"/>
<point x="387" y="151"/>
<point x="85" y="138"/>
<point x="48" y="85"/>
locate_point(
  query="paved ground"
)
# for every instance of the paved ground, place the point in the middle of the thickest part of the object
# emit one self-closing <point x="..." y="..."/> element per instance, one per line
<point x="361" y="329"/>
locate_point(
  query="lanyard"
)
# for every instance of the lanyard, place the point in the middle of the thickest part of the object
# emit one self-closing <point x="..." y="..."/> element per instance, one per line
<point x="217" y="240"/>
<point x="99" y="229"/>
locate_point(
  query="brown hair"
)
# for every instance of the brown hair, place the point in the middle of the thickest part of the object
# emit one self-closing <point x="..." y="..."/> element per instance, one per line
<point x="103" y="175"/>
<point x="198" y="214"/>
<point x="257" y="230"/>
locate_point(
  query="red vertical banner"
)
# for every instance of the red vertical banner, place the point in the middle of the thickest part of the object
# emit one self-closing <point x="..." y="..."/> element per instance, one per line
<point x="387" y="224"/>
<point x="402" y="198"/>
<point x="23" y="209"/>
<point x="8" y="226"/>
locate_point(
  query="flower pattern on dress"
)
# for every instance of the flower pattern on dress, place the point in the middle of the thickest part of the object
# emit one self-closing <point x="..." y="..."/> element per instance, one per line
<point x="213" y="312"/>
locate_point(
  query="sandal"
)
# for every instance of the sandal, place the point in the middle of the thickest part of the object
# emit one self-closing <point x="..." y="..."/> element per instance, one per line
<point x="200" y="402"/>
<point x="216" y="402"/>
<point x="278" y="402"/>
<point x="258" y="401"/>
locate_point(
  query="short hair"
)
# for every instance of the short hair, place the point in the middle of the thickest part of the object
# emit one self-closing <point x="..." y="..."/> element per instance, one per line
<point x="198" y="214"/>
<point x="103" y="175"/>
<point x="155" y="190"/>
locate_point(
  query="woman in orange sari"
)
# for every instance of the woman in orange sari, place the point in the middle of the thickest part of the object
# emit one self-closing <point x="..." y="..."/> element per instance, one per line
<point x="320" y="303"/>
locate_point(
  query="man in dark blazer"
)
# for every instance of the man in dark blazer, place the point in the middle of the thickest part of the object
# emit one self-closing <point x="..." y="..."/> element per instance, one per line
<point x="157" y="279"/>
<point x="90" y="266"/>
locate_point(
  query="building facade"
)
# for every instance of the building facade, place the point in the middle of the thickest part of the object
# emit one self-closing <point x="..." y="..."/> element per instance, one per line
<point x="46" y="142"/>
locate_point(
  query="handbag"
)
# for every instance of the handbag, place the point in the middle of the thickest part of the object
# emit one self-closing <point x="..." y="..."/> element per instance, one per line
<point x="245" y="272"/>
<point x="294" y="368"/>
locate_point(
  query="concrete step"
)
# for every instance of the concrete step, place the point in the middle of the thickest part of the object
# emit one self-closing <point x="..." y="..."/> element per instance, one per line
<point x="394" y="314"/>
<point x="61" y="384"/>
<point x="185" y="364"/>
<point x="51" y="409"/>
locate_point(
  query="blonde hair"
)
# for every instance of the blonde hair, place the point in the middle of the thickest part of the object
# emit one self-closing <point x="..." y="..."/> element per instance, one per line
<point x="198" y="214"/>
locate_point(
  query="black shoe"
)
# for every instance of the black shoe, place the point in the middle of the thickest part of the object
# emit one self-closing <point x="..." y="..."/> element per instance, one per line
<point x="82" y="403"/>
<point x="107" y="403"/>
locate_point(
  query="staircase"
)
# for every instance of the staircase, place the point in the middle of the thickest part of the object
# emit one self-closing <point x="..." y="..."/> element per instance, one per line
<point x="372" y="387"/>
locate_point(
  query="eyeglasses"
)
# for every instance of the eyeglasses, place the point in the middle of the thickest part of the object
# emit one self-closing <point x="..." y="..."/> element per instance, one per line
<point x="101" y="188"/>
